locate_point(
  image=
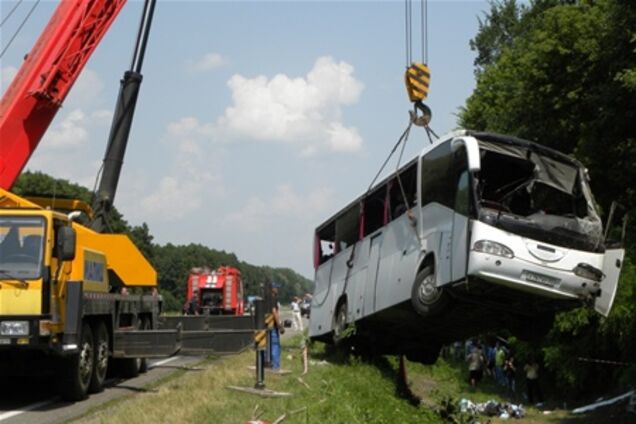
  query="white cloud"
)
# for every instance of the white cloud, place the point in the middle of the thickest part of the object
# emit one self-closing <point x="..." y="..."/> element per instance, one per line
<point x="303" y="111"/>
<point x="69" y="133"/>
<point x="177" y="196"/>
<point x="6" y="76"/>
<point x="86" y="92"/>
<point x="284" y="205"/>
<point x="208" y="62"/>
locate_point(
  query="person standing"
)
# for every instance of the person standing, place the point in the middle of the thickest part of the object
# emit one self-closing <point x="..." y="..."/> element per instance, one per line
<point x="476" y="361"/>
<point x="532" y="381"/>
<point x="277" y="330"/>
<point x="510" y="371"/>
<point x="500" y="359"/>
<point x="297" y="319"/>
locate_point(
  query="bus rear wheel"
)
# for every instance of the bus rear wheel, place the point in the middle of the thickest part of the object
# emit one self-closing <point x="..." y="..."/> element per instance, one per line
<point x="427" y="299"/>
<point x="340" y="324"/>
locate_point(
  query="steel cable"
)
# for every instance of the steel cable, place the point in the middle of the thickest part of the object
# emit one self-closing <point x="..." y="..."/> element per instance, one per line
<point x="26" y="18"/>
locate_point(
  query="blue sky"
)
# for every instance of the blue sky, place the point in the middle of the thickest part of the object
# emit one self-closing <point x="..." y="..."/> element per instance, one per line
<point x="256" y="120"/>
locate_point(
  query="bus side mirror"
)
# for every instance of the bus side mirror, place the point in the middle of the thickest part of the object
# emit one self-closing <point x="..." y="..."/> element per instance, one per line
<point x="65" y="243"/>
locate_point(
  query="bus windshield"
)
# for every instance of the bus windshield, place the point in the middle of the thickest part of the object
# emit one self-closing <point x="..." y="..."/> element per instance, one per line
<point x="536" y="195"/>
<point x="21" y="247"/>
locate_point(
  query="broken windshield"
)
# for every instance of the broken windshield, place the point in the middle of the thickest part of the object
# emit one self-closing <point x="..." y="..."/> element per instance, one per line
<point x="537" y="196"/>
<point x="21" y="247"/>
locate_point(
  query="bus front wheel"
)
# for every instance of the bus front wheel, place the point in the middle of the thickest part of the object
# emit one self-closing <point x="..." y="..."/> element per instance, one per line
<point x="427" y="299"/>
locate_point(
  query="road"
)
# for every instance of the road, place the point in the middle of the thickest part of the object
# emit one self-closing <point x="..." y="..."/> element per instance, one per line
<point x="33" y="400"/>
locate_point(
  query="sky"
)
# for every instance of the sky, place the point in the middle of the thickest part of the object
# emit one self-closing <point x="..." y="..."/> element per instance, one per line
<point x="256" y="121"/>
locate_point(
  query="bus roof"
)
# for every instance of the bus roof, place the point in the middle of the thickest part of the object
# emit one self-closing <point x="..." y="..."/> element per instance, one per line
<point x="479" y="135"/>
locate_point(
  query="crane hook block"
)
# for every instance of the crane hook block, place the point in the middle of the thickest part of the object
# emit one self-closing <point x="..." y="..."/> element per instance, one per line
<point x="417" y="78"/>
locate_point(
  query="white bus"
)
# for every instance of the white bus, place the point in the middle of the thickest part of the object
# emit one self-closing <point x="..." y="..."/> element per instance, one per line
<point x="480" y="231"/>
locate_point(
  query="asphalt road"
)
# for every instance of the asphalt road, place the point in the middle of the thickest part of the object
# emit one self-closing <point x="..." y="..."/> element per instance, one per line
<point x="33" y="400"/>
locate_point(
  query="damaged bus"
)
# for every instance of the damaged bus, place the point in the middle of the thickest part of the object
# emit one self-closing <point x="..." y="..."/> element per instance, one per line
<point x="479" y="232"/>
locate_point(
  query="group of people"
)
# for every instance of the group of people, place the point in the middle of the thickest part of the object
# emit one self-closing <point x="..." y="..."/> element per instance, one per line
<point x="500" y="363"/>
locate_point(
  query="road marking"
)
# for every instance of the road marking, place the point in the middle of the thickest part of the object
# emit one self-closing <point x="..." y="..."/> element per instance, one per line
<point x="27" y="408"/>
<point x="165" y="361"/>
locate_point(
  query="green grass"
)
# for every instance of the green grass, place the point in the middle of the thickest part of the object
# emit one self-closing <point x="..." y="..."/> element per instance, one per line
<point x="336" y="390"/>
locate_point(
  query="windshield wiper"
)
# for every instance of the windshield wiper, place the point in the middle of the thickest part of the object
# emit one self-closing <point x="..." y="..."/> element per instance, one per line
<point x="18" y="281"/>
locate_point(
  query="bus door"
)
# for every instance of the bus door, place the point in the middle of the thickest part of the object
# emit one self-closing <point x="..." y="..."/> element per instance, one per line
<point x="371" y="286"/>
<point x="460" y="240"/>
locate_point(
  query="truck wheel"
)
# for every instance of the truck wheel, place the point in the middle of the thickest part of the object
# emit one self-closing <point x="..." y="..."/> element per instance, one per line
<point x="100" y="368"/>
<point x="131" y="367"/>
<point x="340" y="324"/>
<point x="143" y="362"/>
<point x="75" y="371"/>
<point x="427" y="299"/>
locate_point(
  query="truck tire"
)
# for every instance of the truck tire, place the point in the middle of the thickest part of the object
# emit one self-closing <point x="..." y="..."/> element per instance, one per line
<point x="427" y="299"/>
<point x="132" y="367"/>
<point x="76" y="370"/>
<point x="101" y="343"/>
<point x="339" y="324"/>
<point x="143" y="362"/>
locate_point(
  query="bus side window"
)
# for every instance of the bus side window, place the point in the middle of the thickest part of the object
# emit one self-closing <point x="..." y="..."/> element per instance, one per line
<point x="348" y="228"/>
<point x="438" y="184"/>
<point x="374" y="210"/>
<point x="398" y="203"/>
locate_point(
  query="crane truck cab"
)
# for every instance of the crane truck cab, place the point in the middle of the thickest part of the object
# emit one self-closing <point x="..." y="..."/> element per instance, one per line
<point x="60" y="302"/>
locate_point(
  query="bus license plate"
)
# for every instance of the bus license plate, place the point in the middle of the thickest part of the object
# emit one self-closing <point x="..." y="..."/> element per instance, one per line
<point x="533" y="277"/>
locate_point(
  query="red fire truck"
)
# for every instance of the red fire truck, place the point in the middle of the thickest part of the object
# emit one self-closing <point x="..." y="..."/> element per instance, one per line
<point x="217" y="292"/>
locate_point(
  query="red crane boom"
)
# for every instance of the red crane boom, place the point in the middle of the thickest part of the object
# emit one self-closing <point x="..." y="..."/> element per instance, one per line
<point x="48" y="73"/>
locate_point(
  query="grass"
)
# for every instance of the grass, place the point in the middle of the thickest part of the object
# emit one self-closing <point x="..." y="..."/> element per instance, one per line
<point x="336" y="390"/>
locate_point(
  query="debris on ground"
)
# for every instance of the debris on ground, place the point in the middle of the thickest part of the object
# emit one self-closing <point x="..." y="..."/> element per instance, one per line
<point x="601" y="403"/>
<point x="492" y="408"/>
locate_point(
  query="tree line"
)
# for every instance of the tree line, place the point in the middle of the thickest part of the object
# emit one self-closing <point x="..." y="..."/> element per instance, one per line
<point x="563" y="73"/>
<point x="172" y="262"/>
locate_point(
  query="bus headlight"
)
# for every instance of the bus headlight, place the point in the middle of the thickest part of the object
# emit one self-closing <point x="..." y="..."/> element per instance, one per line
<point x="14" y="328"/>
<point x="493" y="248"/>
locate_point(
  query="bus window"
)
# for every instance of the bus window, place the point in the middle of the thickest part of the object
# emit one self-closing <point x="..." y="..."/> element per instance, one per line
<point x="398" y="204"/>
<point x="373" y="217"/>
<point x="438" y="184"/>
<point x="325" y="247"/>
<point x="347" y="228"/>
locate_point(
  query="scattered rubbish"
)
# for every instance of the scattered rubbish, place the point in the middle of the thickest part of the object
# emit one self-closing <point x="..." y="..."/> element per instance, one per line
<point x="492" y="408"/>
<point x="608" y="402"/>
<point x="259" y="392"/>
<point x="323" y="362"/>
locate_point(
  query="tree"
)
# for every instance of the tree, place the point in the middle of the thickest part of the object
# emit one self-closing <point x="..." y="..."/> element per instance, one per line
<point x="563" y="73"/>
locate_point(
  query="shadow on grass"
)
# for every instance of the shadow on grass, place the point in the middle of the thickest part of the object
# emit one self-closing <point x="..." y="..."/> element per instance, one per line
<point x="345" y="356"/>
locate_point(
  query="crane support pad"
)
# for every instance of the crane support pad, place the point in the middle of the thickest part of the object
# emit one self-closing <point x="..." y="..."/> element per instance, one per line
<point x="207" y="322"/>
<point x="417" y="78"/>
<point x="219" y="342"/>
<point x="146" y="343"/>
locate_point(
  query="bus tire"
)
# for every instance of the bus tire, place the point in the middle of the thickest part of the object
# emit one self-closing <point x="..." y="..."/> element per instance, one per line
<point x="427" y="299"/>
<point x="76" y="370"/>
<point x="340" y="324"/>
<point x="101" y="342"/>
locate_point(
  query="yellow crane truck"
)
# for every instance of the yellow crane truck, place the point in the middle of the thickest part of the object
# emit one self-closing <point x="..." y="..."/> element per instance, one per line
<point x="70" y="299"/>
